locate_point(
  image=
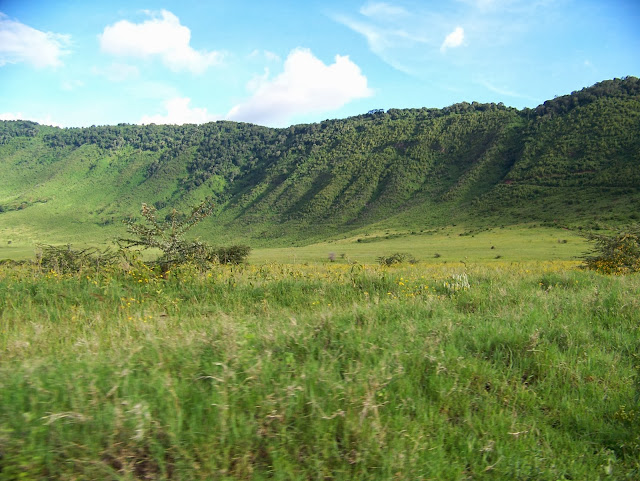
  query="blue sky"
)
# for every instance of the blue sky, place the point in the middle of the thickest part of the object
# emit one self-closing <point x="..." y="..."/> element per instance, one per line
<point x="277" y="63"/>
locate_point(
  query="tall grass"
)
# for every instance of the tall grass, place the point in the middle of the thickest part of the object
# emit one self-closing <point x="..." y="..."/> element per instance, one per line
<point x="331" y="371"/>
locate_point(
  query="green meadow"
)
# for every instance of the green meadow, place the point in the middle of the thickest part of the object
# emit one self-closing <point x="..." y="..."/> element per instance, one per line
<point x="438" y="246"/>
<point x="448" y="244"/>
<point x="304" y="368"/>
<point x="488" y="353"/>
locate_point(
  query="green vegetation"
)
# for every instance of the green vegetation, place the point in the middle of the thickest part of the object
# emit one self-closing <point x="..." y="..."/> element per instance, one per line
<point x="66" y="260"/>
<point x="573" y="161"/>
<point x="397" y="258"/>
<point x="323" y="371"/>
<point x="487" y="246"/>
<point x="414" y="309"/>
<point x="169" y="237"/>
<point x="617" y="253"/>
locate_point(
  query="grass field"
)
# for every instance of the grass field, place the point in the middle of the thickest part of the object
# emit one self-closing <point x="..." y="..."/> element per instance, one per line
<point x="510" y="244"/>
<point x="452" y="244"/>
<point x="330" y="370"/>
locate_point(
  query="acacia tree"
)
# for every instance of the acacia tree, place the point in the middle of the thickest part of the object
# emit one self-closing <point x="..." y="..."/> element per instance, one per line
<point x="169" y="235"/>
<point x="618" y="253"/>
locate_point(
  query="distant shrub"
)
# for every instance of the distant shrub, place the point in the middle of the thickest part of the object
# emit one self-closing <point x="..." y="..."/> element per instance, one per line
<point x="618" y="253"/>
<point x="65" y="260"/>
<point x="397" y="258"/>
<point x="11" y="262"/>
<point x="235" y="254"/>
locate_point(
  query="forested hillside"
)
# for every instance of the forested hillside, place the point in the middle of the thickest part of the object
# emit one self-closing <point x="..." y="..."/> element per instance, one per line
<point x="574" y="160"/>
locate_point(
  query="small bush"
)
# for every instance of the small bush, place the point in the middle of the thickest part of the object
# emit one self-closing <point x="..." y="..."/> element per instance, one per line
<point x="235" y="254"/>
<point x="65" y="260"/>
<point x="618" y="253"/>
<point x="397" y="258"/>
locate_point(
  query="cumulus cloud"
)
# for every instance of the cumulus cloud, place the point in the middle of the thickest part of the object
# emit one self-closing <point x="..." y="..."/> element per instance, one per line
<point x="179" y="112"/>
<point x="21" y="43"/>
<point x="46" y="120"/>
<point x="454" y="39"/>
<point x="162" y="36"/>
<point x="306" y="85"/>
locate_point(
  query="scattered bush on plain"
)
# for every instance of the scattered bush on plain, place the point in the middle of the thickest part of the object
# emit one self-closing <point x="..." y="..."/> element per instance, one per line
<point x="169" y="237"/>
<point x="166" y="236"/>
<point x="64" y="259"/>
<point x="617" y="253"/>
<point x="397" y="258"/>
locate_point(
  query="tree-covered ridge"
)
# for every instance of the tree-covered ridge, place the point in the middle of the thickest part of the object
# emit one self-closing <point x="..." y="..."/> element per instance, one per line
<point x="405" y="167"/>
<point x="616" y="88"/>
<point x="10" y="129"/>
<point x="595" y="144"/>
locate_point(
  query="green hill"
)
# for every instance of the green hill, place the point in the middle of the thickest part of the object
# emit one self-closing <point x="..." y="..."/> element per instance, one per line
<point x="574" y="160"/>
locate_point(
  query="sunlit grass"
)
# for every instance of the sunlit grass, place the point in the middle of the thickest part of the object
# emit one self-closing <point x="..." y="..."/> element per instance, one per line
<point x="511" y="244"/>
<point x="326" y="370"/>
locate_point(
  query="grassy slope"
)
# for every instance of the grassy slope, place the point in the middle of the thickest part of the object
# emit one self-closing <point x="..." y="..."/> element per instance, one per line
<point x="403" y="171"/>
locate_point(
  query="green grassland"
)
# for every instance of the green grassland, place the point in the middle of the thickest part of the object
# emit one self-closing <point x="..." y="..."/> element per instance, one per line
<point x="451" y="244"/>
<point x="499" y="370"/>
<point x="490" y="355"/>
<point x="438" y="246"/>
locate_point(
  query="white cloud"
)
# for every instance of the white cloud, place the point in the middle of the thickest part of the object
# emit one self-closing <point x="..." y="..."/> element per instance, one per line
<point x="382" y="9"/>
<point x="272" y="56"/>
<point x="161" y="36"/>
<point x="117" y="72"/>
<point x="269" y="56"/>
<point x="70" y="85"/>
<point x="501" y="5"/>
<point x="179" y="112"/>
<point x="454" y="39"/>
<point x="481" y="4"/>
<point x="306" y="85"/>
<point x="152" y="90"/>
<point x="386" y="40"/>
<point x="46" y="120"/>
<point x="498" y="90"/>
<point x="21" y="43"/>
<point x="258" y="80"/>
